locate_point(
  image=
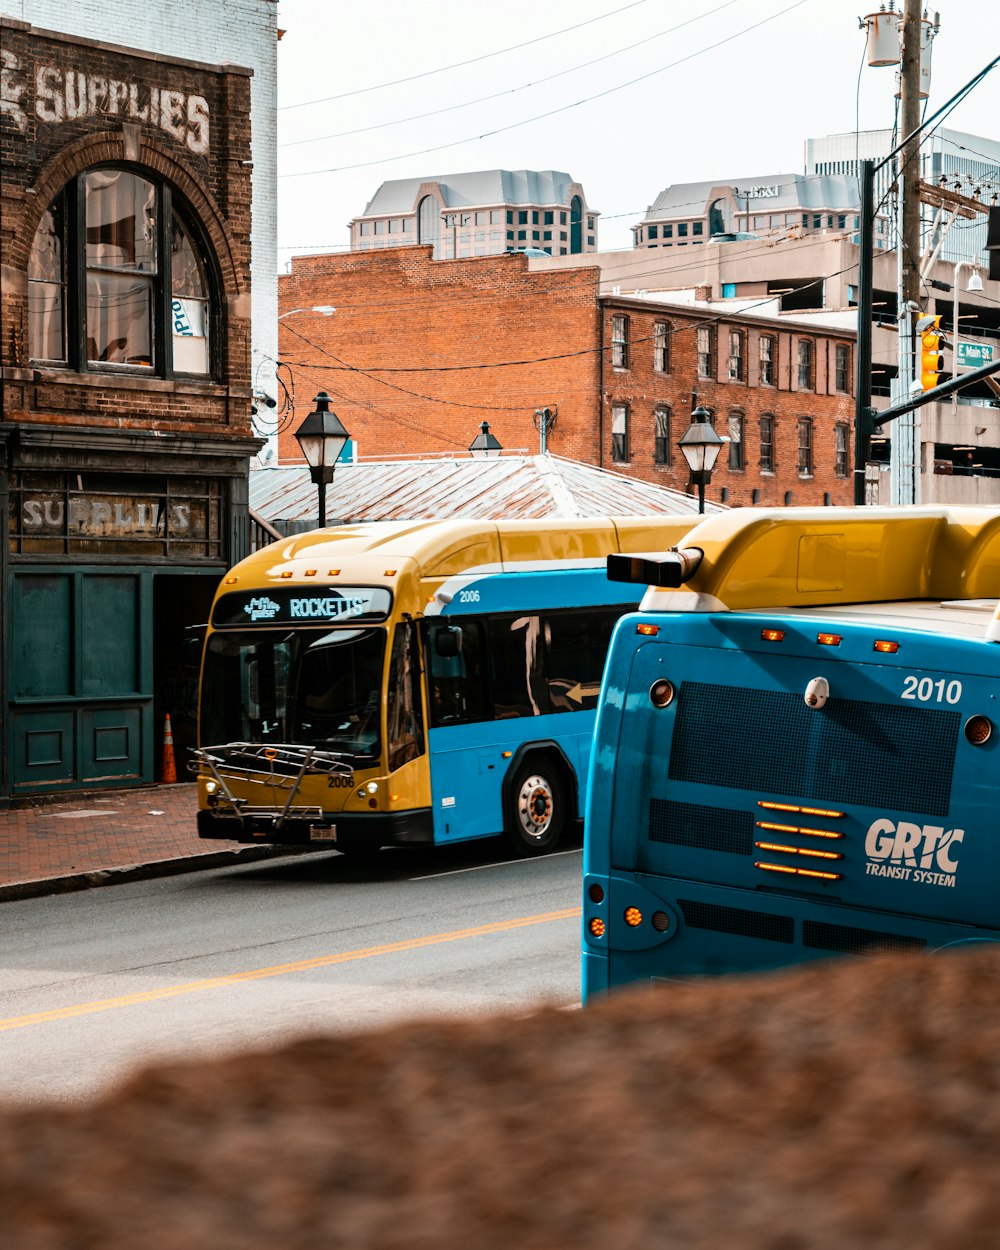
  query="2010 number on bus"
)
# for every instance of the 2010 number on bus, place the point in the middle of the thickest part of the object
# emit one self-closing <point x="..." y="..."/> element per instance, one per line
<point x="926" y="690"/>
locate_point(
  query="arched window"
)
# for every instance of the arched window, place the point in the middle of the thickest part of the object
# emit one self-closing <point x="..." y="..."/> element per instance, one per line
<point x="117" y="280"/>
<point x="720" y="217"/>
<point x="576" y="225"/>
<point x="428" y="220"/>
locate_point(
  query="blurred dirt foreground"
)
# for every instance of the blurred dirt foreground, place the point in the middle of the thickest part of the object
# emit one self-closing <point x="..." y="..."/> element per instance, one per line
<point x="850" y="1104"/>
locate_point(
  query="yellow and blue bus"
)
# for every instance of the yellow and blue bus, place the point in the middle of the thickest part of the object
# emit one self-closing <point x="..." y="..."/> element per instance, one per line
<point x="796" y="748"/>
<point x="410" y="682"/>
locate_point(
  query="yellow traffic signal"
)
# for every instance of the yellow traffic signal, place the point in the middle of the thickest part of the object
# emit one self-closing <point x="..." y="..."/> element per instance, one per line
<point x="931" y="360"/>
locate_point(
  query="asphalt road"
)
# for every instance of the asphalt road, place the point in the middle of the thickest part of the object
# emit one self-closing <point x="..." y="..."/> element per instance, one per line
<point x="248" y="957"/>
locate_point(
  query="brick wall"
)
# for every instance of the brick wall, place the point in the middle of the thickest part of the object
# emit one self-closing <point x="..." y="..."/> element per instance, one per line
<point x="70" y="104"/>
<point x="420" y="352"/>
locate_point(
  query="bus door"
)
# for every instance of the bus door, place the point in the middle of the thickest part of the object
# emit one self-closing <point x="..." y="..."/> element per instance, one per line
<point x="466" y="766"/>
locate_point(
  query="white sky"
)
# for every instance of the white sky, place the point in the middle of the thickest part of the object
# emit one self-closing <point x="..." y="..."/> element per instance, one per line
<point x="704" y="108"/>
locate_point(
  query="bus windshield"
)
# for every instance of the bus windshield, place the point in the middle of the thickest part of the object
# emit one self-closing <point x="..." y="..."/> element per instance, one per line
<point x="309" y="687"/>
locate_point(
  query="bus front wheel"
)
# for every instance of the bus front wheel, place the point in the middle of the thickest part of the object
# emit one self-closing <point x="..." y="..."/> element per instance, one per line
<point x="536" y="809"/>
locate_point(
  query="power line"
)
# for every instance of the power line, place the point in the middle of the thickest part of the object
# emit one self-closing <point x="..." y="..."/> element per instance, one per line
<point x="599" y="95"/>
<point x="443" y="69"/>
<point x="538" y="82"/>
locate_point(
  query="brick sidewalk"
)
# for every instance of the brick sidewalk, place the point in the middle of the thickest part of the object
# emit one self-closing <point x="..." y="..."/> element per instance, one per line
<point x="89" y="839"/>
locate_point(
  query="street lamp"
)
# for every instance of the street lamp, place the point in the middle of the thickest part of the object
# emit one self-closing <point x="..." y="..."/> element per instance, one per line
<point x="484" y="445"/>
<point x="701" y="446"/>
<point x="325" y="310"/>
<point x="322" y="437"/>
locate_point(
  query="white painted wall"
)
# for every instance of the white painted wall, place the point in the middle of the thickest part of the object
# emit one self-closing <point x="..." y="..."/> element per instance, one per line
<point x="241" y="32"/>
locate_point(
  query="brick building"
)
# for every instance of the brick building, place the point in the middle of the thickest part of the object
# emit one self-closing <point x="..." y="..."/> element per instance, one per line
<point x="420" y="352"/>
<point x="125" y="402"/>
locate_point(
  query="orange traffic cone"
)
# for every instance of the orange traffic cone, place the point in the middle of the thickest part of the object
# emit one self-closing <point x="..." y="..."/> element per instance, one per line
<point x="168" y="773"/>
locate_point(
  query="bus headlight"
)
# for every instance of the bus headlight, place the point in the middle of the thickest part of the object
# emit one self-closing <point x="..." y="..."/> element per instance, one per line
<point x="212" y="793"/>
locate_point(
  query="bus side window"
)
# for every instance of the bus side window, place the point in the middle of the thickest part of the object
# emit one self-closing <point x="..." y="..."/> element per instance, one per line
<point x="405" y="721"/>
<point x="576" y="646"/>
<point x="518" y="676"/>
<point x="455" y="681"/>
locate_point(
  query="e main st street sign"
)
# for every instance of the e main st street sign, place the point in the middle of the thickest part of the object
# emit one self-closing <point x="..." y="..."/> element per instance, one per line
<point x="972" y="354"/>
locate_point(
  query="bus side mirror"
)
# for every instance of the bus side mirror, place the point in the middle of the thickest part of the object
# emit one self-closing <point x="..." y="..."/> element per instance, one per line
<point x="194" y="640"/>
<point x="448" y="642"/>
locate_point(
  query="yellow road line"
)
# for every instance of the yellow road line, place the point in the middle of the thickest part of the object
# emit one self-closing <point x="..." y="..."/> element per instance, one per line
<point x="278" y="970"/>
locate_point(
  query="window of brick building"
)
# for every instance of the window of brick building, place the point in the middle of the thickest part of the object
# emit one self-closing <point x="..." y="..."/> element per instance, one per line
<point x="619" y="433"/>
<point x="705" y="342"/>
<point x="661" y="346"/>
<point x="619" y="342"/>
<point x="737" y="356"/>
<point x="806" y="365"/>
<point x="805" y="428"/>
<point x="842" y="369"/>
<point x="118" y="279"/>
<point x="766" y="356"/>
<point x="767" y="443"/>
<point x="661" y="435"/>
<point x="841" y="449"/>
<point x="737" y="421"/>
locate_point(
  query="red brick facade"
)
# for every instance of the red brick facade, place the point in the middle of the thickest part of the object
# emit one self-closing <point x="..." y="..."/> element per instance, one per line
<point x="420" y="352"/>
<point x="125" y="396"/>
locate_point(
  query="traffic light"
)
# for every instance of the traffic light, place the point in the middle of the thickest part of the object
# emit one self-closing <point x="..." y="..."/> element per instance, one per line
<point x="931" y="360"/>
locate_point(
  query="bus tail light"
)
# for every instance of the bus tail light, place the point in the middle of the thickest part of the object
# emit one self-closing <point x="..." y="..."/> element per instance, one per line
<point x="978" y="730"/>
<point x="597" y="927"/>
<point x="633" y="917"/>
<point x="661" y="693"/>
<point x="649" y="631"/>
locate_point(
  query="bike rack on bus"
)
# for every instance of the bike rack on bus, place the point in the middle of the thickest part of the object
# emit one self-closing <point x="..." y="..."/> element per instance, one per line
<point x="238" y="761"/>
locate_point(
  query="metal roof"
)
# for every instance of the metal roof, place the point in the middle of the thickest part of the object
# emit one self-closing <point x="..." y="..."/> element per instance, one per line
<point x="792" y="191"/>
<point x="484" y="187"/>
<point x="426" y="488"/>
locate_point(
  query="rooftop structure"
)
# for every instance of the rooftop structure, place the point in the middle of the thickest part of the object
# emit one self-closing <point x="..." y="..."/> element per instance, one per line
<point x="483" y="213"/>
<point x="427" y="488"/>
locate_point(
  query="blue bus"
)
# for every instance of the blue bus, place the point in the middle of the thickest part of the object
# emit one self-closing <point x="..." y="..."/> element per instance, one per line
<point x="410" y="682"/>
<point x="795" y="753"/>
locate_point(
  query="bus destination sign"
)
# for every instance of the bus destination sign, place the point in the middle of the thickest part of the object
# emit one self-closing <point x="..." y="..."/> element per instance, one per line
<point x="318" y="605"/>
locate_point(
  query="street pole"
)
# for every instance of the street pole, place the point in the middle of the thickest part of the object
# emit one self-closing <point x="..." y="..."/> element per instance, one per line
<point x="905" y="448"/>
<point x="863" y="355"/>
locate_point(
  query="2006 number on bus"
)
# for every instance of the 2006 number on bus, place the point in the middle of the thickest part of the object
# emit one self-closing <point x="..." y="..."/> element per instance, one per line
<point x="926" y="690"/>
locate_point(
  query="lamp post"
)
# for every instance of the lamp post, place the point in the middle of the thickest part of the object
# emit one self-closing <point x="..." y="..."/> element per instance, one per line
<point x="322" y="437"/>
<point x="484" y="445"/>
<point x="701" y="446"/>
<point x="324" y="310"/>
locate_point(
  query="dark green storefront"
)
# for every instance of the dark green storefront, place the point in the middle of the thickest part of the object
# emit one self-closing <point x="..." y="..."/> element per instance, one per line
<point x="115" y="547"/>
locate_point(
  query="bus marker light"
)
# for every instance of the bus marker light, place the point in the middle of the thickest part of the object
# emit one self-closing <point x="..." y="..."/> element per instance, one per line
<point x="389" y="573"/>
<point x="650" y="631"/>
<point x="505" y="755"/>
<point x="886" y="646"/>
<point x="310" y="573"/>
<point x="597" y="927"/>
<point x="796" y="807"/>
<point x="829" y="640"/>
<point x="596" y="894"/>
<point x="799" y="872"/>
<point x="333" y="572"/>
<point x="797" y="850"/>
<point x="661" y="693"/>
<point x="287" y="573"/>
<point x="633" y="917"/>
<point x="231" y="581"/>
<point x="978" y="730"/>
<point x="813" y="833"/>
<point x="773" y="635"/>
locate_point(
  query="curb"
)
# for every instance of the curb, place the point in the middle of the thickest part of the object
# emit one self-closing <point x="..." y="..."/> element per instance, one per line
<point x="17" y="890"/>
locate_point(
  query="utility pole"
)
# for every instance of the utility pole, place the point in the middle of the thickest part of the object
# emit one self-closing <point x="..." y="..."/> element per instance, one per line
<point x="905" y="447"/>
